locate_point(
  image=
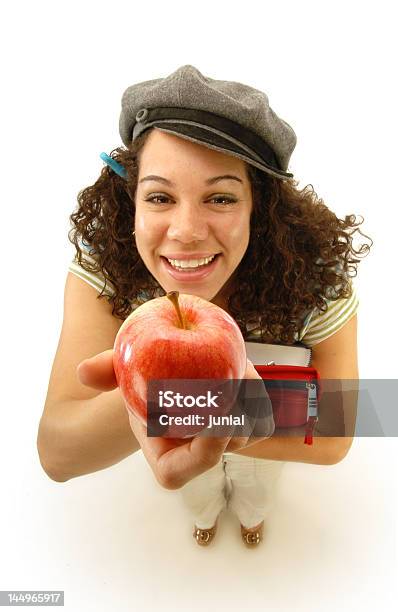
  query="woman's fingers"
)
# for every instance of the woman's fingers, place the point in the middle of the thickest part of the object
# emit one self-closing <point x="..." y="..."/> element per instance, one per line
<point x="175" y="462"/>
<point x="98" y="372"/>
<point x="179" y="465"/>
<point x="237" y="443"/>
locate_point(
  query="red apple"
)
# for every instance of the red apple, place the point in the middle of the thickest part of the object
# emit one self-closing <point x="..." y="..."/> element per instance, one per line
<point x="177" y="336"/>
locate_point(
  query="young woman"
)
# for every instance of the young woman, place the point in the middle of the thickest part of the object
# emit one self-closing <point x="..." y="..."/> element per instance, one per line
<point x="200" y="201"/>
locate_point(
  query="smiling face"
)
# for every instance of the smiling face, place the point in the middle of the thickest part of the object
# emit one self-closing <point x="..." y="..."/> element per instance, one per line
<point x="188" y="213"/>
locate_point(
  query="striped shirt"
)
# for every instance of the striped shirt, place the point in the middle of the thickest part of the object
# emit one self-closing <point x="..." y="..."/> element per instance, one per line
<point x="317" y="325"/>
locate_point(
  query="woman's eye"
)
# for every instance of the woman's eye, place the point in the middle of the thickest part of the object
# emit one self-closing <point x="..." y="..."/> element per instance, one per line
<point x="156" y="197"/>
<point x="226" y="199"/>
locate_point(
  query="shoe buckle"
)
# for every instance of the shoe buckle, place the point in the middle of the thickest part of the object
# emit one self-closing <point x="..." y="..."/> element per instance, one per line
<point x="252" y="537"/>
<point x="202" y="535"/>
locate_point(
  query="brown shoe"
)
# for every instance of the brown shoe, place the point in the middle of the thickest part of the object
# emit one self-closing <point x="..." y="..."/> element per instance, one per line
<point x="252" y="536"/>
<point x="204" y="536"/>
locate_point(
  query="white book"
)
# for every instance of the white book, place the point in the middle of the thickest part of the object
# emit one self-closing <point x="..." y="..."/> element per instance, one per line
<point x="278" y="354"/>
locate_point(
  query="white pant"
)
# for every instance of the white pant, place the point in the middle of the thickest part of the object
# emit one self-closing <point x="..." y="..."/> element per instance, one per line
<point x="244" y="484"/>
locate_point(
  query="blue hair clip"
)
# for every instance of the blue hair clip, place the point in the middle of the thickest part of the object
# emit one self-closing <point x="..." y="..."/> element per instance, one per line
<point x="112" y="163"/>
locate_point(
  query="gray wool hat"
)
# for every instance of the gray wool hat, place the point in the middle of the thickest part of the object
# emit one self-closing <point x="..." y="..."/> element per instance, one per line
<point x="223" y="115"/>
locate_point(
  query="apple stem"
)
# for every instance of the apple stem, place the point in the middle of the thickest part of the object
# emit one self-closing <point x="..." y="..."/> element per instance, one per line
<point x="173" y="297"/>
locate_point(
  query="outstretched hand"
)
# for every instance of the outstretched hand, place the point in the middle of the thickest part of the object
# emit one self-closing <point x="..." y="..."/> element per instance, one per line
<point x="174" y="461"/>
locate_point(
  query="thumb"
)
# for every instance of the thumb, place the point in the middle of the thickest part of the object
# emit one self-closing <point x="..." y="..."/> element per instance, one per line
<point x="98" y="372"/>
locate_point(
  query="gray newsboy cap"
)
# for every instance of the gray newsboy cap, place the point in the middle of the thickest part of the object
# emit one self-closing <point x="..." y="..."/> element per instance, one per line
<point x="223" y="115"/>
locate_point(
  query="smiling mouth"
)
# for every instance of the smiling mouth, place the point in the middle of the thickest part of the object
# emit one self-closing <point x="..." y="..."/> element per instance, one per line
<point x="191" y="274"/>
<point x="197" y="263"/>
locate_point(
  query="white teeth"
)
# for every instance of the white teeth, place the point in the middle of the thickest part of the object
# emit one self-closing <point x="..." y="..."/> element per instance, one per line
<point x="190" y="263"/>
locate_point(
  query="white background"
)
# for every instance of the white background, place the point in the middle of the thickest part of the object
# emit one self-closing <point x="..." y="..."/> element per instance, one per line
<point x="115" y="539"/>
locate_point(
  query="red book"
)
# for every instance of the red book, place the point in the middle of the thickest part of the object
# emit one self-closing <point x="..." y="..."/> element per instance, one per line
<point x="292" y="384"/>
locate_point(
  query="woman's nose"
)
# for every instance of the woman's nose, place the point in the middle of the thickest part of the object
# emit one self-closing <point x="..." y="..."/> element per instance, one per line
<point x="187" y="224"/>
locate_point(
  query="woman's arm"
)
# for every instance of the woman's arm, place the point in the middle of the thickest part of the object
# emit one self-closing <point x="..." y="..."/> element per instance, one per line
<point x="87" y="435"/>
<point x="83" y="430"/>
<point x="337" y="363"/>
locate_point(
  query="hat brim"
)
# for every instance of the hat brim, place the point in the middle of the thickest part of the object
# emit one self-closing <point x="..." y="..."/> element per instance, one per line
<point x="217" y="142"/>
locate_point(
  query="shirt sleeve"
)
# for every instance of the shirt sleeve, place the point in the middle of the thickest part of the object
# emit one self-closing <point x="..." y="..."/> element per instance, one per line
<point x="321" y="325"/>
<point x="95" y="279"/>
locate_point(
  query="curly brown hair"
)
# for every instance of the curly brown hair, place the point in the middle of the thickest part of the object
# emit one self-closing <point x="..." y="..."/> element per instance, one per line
<point x="300" y="253"/>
